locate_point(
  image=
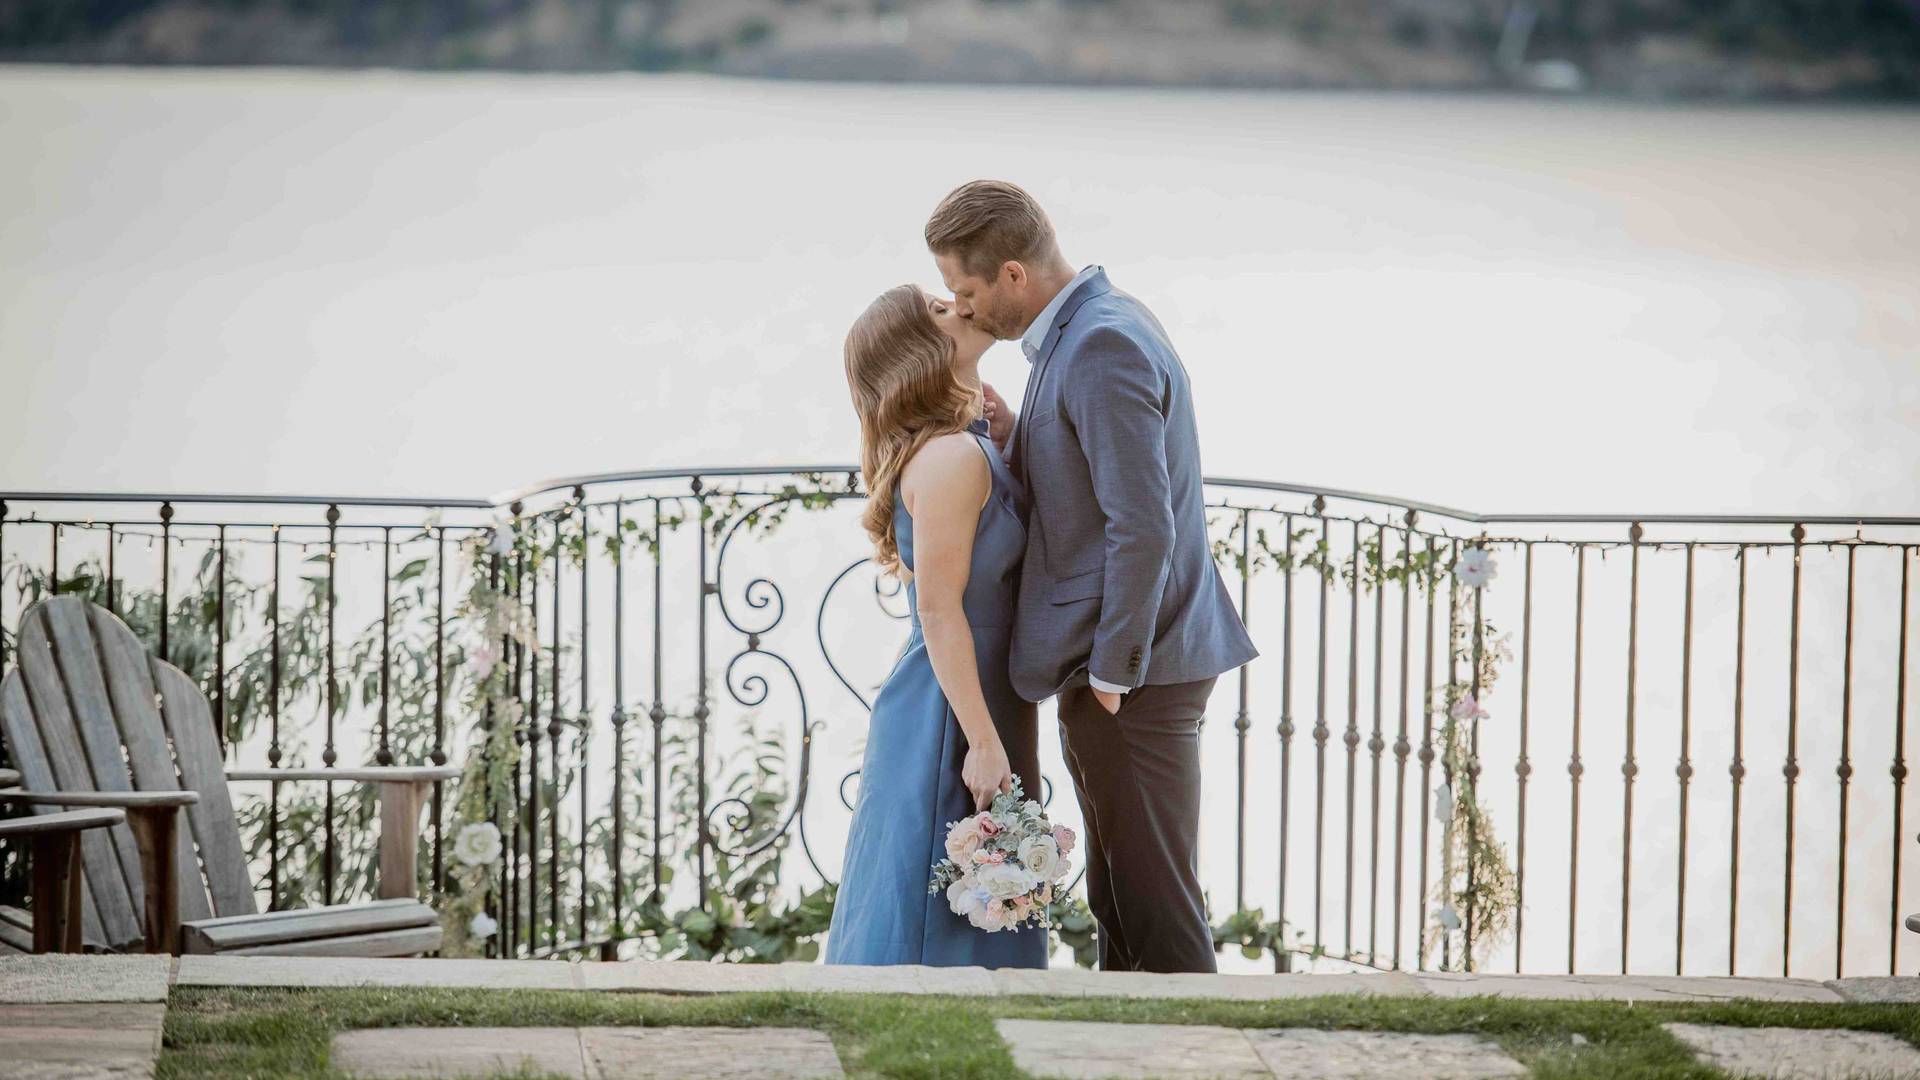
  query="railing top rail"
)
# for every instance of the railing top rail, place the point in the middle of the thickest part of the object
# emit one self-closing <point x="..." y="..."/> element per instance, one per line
<point x="521" y="494"/>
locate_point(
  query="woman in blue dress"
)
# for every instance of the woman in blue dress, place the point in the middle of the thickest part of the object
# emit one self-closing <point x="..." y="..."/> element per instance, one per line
<point x="947" y="730"/>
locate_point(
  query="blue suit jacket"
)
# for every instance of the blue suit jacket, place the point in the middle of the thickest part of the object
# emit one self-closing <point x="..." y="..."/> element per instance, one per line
<point x="1119" y="578"/>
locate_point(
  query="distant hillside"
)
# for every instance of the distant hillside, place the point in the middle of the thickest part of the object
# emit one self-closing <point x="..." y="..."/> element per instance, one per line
<point x="1645" y="48"/>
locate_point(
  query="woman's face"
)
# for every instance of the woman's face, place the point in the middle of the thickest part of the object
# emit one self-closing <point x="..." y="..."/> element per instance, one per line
<point x="969" y="341"/>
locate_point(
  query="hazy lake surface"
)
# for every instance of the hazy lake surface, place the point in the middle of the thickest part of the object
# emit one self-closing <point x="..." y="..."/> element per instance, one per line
<point x="385" y="283"/>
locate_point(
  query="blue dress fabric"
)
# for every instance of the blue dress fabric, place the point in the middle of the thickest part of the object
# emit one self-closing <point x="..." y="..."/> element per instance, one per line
<point x="910" y="787"/>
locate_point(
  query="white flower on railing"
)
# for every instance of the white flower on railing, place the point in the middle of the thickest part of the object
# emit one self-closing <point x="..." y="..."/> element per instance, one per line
<point x="501" y="542"/>
<point x="1474" y="567"/>
<point x="1466" y="707"/>
<point x="482" y="926"/>
<point x="1443" y="803"/>
<point x="478" y="843"/>
<point x="1449" y="919"/>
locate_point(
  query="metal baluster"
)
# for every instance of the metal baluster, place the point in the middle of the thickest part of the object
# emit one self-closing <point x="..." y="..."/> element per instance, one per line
<point x="439" y="755"/>
<point x="113" y="599"/>
<point x="1473" y="768"/>
<point x="1401" y="748"/>
<point x="1320" y="730"/>
<point x="1523" y="768"/>
<point x="617" y="931"/>
<point x="1574" y="768"/>
<point x="1446" y="763"/>
<point x="53" y="531"/>
<point x="3" y="582"/>
<point x="530" y="596"/>
<point x="219" y="687"/>
<point x="1628" y="768"/>
<point x="1845" y="772"/>
<point x="273" y="746"/>
<point x="1352" y="736"/>
<point x="1426" y="756"/>
<point x="1241" y="723"/>
<point x="657" y="714"/>
<point x="166" y="574"/>
<point x="329" y="755"/>
<point x="585" y="710"/>
<point x="384" y="755"/>
<point x="1685" y="769"/>
<point x="1737" y="772"/>
<point x="1282" y="960"/>
<point x="700" y="710"/>
<point x="1791" y="771"/>
<point x="554" y="727"/>
<point x="1377" y="744"/>
<point x="1899" y="768"/>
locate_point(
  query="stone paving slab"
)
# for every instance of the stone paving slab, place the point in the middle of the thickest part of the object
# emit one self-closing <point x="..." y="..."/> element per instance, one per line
<point x="1310" y="1054"/>
<point x="1794" y="1054"/>
<point x="1898" y="988"/>
<point x="1626" y="987"/>
<point x="80" y="1041"/>
<point x="1075" y="982"/>
<point x="451" y="1052"/>
<point x="52" y="978"/>
<point x="890" y="979"/>
<point x="671" y="1053"/>
<point x="1085" y="1050"/>
<point x="602" y="1053"/>
<point x="392" y="971"/>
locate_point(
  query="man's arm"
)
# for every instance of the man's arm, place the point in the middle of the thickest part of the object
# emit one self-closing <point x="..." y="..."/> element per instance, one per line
<point x="1114" y="398"/>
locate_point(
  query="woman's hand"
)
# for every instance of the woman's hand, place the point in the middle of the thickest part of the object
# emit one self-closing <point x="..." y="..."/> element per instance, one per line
<point x="986" y="772"/>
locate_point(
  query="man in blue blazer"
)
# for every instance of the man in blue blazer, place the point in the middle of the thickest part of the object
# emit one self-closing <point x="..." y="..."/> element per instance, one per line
<point x="1121" y="611"/>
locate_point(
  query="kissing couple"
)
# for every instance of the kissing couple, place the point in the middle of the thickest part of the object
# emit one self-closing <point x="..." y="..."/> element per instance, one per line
<point x="1060" y="551"/>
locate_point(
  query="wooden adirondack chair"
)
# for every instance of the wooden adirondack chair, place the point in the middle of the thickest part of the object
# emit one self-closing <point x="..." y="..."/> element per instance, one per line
<point x="91" y="720"/>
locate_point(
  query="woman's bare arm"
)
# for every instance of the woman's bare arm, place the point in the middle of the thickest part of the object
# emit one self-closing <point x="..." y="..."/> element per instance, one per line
<point x="944" y="487"/>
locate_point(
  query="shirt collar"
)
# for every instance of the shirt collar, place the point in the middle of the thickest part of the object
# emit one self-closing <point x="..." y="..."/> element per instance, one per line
<point x="1036" y="334"/>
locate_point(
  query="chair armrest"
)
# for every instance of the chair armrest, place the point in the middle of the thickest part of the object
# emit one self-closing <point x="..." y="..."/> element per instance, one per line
<point x="9" y="778"/>
<point x="125" y="800"/>
<point x="370" y="774"/>
<point x="66" y="821"/>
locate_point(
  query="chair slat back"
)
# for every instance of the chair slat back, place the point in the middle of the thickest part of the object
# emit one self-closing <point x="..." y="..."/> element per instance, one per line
<point x="136" y="711"/>
<point x="87" y="709"/>
<point x="196" y="751"/>
<point x="53" y="755"/>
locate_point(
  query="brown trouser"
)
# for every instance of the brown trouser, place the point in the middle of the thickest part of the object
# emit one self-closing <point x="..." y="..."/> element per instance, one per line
<point x="1137" y="775"/>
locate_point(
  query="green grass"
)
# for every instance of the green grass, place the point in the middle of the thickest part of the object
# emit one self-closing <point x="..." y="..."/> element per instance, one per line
<point x="263" y="1033"/>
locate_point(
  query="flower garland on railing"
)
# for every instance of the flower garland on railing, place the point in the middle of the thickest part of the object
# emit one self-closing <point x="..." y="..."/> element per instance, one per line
<point x="1475" y="895"/>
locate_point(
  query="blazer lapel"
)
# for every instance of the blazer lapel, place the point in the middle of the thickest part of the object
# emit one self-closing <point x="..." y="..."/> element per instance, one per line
<point x="1096" y="285"/>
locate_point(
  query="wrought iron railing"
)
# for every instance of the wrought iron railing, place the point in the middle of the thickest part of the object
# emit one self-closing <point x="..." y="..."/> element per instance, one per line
<point x="1676" y="639"/>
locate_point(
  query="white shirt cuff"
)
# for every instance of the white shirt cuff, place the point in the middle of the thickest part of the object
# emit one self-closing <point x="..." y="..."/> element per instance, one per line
<point x="1111" y="688"/>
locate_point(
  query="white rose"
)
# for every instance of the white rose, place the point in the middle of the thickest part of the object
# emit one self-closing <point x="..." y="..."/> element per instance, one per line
<point x="1004" y="881"/>
<point x="478" y="843"/>
<point x="966" y="897"/>
<point x="1040" y="856"/>
<point x="482" y="926"/>
<point x="1032" y="807"/>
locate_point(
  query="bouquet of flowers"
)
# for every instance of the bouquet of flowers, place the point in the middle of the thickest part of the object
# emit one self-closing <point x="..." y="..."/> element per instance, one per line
<point x="1002" y="864"/>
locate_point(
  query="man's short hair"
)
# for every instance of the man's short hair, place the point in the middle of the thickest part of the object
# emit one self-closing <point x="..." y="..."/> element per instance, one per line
<point x="988" y="223"/>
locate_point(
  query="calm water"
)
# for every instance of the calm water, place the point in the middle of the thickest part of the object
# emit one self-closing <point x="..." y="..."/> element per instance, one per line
<point x="453" y="285"/>
<point x="209" y="279"/>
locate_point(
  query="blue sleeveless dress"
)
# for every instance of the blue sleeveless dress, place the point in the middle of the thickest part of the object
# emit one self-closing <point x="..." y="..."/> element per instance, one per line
<point x="910" y="786"/>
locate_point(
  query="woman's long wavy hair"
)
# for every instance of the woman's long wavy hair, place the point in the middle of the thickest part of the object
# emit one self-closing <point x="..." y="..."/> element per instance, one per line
<point x="906" y="392"/>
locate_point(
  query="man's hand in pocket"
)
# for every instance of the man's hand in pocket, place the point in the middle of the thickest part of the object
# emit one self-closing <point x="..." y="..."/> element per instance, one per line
<point x="1108" y="700"/>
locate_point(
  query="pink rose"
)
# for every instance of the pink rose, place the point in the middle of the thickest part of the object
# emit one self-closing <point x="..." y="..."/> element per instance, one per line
<point x="996" y="856"/>
<point x="1063" y="838"/>
<point x="988" y="826"/>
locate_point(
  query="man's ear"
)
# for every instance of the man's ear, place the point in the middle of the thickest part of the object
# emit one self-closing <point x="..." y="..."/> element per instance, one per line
<point x="1016" y="273"/>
